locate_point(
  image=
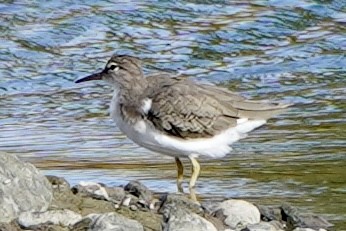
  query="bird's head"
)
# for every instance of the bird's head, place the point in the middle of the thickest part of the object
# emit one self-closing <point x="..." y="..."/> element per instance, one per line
<point x="120" y="70"/>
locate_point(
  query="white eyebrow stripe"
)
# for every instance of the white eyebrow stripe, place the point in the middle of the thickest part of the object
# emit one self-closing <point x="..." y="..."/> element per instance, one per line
<point x="112" y="63"/>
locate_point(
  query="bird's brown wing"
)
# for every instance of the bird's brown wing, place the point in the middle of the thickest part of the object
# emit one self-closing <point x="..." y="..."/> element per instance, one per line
<point x="188" y="110"/>
<point x="179" y="108"/>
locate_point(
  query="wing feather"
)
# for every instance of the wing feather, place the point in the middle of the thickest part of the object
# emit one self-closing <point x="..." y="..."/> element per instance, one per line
<point x="188" y="110"/>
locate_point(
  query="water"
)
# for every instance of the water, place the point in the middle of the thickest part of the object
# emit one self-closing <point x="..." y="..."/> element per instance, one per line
<point x="287" y="51"/>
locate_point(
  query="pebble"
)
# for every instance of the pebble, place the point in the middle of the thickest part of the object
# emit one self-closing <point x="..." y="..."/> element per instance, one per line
<point x="133" y="208"/>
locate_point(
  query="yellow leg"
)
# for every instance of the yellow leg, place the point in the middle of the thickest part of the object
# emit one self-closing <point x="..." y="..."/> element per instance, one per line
<point x="180" y="175"/>
<point x="195" y="173"/>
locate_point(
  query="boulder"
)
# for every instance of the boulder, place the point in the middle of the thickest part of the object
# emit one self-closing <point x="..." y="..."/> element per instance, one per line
<point x="22" y="188"/>
<point x="237" y="213"/>
<point x="111" y="222"/>
<point x="294" y="219"/>
<point x="179" y="219"/>
<point x="308" y="229"/>
<point x="262" y="226"/>
<point x="63" y="217"/>
<point x="179" y="201"/>
<point x="139" y="190"/>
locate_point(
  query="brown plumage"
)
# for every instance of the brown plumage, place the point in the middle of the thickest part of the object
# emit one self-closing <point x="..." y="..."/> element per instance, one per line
<point x="188" y="110"/>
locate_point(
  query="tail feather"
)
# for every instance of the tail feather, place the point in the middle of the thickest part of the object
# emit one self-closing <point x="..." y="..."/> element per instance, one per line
<point x="259" y="110"/>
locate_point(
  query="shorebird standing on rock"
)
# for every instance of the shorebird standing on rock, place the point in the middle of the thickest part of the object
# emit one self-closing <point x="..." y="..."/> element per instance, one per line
<point x="177" y="117"/>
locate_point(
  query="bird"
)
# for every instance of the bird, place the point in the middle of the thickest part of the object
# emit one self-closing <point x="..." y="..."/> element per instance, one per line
<point x="175" y="116"/>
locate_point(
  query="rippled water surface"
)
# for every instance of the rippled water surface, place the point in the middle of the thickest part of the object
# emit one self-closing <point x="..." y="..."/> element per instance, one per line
<point x="288" y="51"/>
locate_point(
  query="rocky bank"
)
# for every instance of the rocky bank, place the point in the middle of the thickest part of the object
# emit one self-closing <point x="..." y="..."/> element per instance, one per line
<point x="32" y="201"/>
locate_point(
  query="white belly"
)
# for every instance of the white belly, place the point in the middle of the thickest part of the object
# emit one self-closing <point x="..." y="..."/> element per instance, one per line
<point x="214" y="147"/>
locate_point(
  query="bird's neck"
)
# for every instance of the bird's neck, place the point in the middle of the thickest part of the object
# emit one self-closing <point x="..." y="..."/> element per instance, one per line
<point x="131" y="93"/>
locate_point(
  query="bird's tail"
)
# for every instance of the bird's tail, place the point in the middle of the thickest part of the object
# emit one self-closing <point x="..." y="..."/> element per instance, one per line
<point x="258" y="110"/>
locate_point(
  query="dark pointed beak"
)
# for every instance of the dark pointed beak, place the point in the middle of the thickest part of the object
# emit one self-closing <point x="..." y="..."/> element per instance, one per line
<point x="96" y="76"/>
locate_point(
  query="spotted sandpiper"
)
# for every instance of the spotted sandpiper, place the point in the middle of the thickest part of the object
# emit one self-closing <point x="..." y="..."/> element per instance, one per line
<point x="178" y="117"/>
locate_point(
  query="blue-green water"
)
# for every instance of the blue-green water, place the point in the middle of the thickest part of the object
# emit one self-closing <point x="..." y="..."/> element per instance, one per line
<point x="288" y="51"/>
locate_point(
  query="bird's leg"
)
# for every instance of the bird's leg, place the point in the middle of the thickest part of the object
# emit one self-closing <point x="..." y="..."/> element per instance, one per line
<point x="195" y="173"/>
<point x="180" y="175"/>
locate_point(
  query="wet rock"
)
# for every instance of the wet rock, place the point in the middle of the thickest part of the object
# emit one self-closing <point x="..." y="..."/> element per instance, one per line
<point x="295" y="219"/>
<point x="114" y="222"/>
<point x="179" y="201"/>
<point x="139" y="190"/>
<point x="179" y="219"/>
<point x="91" y="189"/>
<point x="262" y="226"/>
<point x="269" y="213"/>
<point x="62" y="217"/>
<point x="237" y="213"/>
<point x="22" y="187"/>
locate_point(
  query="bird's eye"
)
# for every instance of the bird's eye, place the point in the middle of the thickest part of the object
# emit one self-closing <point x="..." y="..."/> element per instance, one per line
<point x="113" y="66"/>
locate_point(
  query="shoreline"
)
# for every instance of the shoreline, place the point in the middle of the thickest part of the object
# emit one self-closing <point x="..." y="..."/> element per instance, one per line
<point x="96" y="206"/>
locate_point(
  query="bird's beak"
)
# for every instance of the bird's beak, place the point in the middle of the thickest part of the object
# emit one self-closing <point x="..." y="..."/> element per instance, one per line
<point x="96" y="76"/>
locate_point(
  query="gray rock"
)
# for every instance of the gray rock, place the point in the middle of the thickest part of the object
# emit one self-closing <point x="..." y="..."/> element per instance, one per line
<point x="179" y="219"/>
<point x="139" y="190"/>
<point x="237" y="213"/>
<point x="180" y="201"/>
<point x="270" y="213"/>
<point x="13" y="226"/>
<point x="262" y="226"/>
<point x="295" y="219"/>
<point x="112" y="222"/>
<point x="116" y="193"/>
<point x="308" y="229"/>
<point x="62" y="217"/>
<point x="91" y="189"/>
<point x="58" y="183"/>
<point x="22" y="188"/>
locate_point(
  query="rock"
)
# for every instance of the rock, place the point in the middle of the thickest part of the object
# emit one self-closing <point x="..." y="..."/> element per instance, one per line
<point x="48" y="227"/>
<point x="12" y="226"/>
<point x="112" y="222"/>
<point x="82" y="225"/>
<point x="262" y="226"/>
<point x="296" y="219"/>
<point x="133" y="208"/>
<point x="116" y="193"/>
<point x="269" y="213"/>
<point x="150" y="221"/>
<point x="181" y="213"/>
<point x="179" y="201"/>
<point x="90" y="205"/>
<point x="237" y="213"/>
<point x="65" y="199"/>
<point x="179" y="219"/>
<point x="22" y="188"/>
<point x="62" y="217"/>
<point x="308" y="229"/>
<point x="139" y="190"/>
<point x="91" y="189"/>
<point x="58" y="183"/>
